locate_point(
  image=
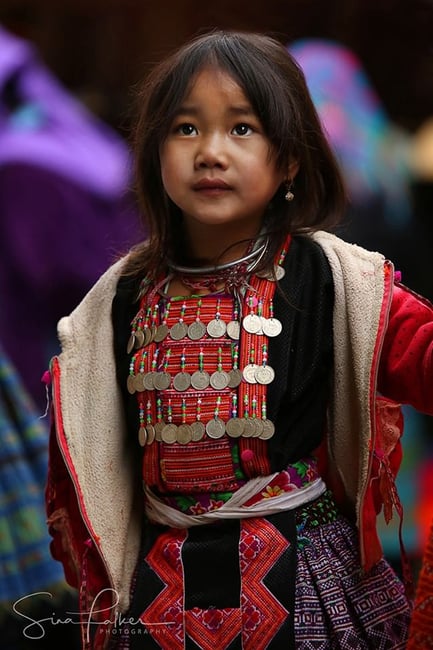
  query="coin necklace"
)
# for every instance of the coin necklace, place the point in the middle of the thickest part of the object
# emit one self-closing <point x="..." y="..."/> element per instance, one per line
<point x="197" y="329"/>
<point x="200" y="379"/>
<point x="216" y="328"/>
<point x="180" y="329"/>
<point x="216" y="428"/>
<point x="182" y="379"/>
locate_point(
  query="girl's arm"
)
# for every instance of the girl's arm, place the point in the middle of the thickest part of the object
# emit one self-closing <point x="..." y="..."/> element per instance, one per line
<point x="406" y="363"/>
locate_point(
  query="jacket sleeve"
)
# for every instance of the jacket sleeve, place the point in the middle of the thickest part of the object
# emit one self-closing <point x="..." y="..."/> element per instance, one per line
<point x="406" y="362"/>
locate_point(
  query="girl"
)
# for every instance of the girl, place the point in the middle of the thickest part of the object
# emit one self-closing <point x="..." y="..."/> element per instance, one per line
<point x="226" y="403"/>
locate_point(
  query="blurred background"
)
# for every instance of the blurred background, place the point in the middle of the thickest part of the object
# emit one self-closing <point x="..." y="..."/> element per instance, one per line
<point x="68" y="71"/>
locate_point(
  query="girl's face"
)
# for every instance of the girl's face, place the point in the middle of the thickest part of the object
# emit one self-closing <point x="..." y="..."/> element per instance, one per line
<point x="217" y="164"/>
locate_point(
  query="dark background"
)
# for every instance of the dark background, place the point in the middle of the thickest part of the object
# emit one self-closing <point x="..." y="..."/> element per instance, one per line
<point x="100" y="48"/>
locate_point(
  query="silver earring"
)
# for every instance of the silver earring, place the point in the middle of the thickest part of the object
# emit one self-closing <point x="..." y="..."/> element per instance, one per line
<point x="289" y="196"/>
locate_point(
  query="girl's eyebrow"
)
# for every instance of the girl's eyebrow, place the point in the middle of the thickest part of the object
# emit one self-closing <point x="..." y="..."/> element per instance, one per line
<point x="190" y="109"/>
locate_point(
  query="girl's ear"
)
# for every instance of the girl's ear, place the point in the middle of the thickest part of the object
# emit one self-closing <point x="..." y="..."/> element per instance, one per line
<point x="292" y="170"/>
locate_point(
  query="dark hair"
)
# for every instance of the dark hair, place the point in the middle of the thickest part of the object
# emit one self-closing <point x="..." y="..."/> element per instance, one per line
<point x="275" y="85"/>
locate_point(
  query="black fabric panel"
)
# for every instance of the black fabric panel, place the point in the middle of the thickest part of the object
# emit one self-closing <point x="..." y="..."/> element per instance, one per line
<point x="124" y="308"/>
<point x="211" y="564"/>
<point x="302" y="354"/>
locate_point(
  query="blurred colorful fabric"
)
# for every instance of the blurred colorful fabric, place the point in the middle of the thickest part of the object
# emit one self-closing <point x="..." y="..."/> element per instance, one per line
<point x="26" y="565"/>
<point x="371" y="149"/>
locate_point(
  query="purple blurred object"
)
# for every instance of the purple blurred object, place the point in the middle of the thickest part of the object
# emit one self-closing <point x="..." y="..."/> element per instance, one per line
<point x="66" y="211"/>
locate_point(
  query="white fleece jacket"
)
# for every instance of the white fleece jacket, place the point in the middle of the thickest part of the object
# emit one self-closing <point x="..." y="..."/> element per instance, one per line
<point x="93" y="419"/>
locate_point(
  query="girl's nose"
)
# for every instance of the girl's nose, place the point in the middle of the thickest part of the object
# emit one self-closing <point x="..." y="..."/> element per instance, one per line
<point x="211" y="152"/>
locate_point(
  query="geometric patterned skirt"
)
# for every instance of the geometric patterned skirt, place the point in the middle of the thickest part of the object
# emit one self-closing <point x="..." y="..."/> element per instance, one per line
<point x="291" y="580"/>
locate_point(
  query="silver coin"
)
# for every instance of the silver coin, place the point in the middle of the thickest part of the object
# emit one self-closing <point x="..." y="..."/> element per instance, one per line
<point x="158" y="430"/>
<point x="138" y="382"/>
<point x="200" y="379"/>
<point x="152" y="332"/>
<point x="219" y="379"/>
<point x="271" y="326"/>
<point x="161" y="333"/>
<point x="198" y="430"/>
<point x="148" y="379"/>
<point x="279" y="272"/>
<point x="234" y="329"/>
<point x="147" y="336"/>
<point x="258" y="427"/>
<point x="182" y="381"/>
<point x="249" y="428"/>
<point x="215" y="428"/>
<point x="184" y="434"/>
<point x="130" y="384"/>
<point x="196" y="330"/>
<point x="216" y="328"/>
<point x="235" y="427"/>
<point x="249" y="373"/>
<point x="131" y="343"/>
<point x="178" y="331"/>
<point x="142" y="436"/>
<point x="150" y="429"/>
<point x="268" y="430"/>
<point x="235" y="378"/>
<point x="252" y="324"/>
<point x="162" y="380"/>
<point x="139" y="339"/>
<point x="265" y="375"/>
<point x="169" y="433"/>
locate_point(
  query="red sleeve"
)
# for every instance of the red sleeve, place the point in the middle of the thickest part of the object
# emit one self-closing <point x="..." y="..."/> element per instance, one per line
<point x="406" y="362"/>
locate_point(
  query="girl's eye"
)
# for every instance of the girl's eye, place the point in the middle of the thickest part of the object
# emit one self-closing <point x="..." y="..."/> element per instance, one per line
<point x="186" y="129"/>
<point x="242" y="129"/>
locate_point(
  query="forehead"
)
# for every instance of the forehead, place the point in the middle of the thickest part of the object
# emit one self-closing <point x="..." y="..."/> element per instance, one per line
<point x="211" y="82"/>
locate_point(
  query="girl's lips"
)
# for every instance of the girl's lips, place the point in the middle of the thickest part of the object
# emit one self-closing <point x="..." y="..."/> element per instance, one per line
<point x="208" y="184"/>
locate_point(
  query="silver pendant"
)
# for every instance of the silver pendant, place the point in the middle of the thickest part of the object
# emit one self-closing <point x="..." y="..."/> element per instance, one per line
<point x="264" y="375"/>
<point x="196" y="330"/>
<point x="131" y="343"/>
<point x="130" y="384"/>
<point x="150" y="429"/>
<point x="162" y="380"/>
<point x="158" y="430"/>
<point x="234" y="330"/>
<point x="198" y="430"/>
<point x="178" y="331"/>
<point x="138" y="382"/>
<point x="142" y="436"/>
<point x="268" y="430"/>
<point x="249" y="373"/>
<point x="271" y="327"/>
<point x="235" y="378"/>
<point x="252" y="324"/>
<point x="169" y="433"/>
<point x="161" y="333"/>
<point x="249" y="428"/>
<point x="148" y="380"/>
<point x="258" y="427"/>
<point x="216" y="328"/>
<point x="215" y="428"/>
<point x="182" y="381"/>
<point x="219" y="379"/>
<point x="200" y="379"/>
<point x="184" y="434"/>
<point x="235" y="427"/>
